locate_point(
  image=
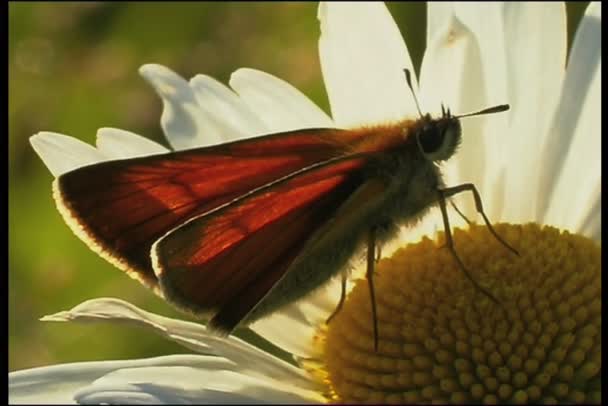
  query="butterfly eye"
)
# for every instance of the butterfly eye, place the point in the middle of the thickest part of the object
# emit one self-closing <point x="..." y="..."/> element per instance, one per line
<point x="438" y="141"/>
<point x="431" y="139"/>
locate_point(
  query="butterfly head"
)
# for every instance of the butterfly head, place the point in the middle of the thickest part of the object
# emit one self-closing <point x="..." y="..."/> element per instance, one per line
<point x="438" y="138"/>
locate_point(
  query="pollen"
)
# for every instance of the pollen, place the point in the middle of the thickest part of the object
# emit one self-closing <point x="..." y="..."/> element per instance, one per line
<point x="441" y="340"/>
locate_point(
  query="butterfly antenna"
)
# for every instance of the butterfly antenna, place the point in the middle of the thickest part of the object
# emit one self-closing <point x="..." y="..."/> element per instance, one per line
<point x="490" y="110"/>
<point x="408" y="79"/>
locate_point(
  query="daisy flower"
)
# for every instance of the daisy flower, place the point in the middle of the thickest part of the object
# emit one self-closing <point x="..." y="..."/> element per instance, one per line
<point x="537" y="168"/>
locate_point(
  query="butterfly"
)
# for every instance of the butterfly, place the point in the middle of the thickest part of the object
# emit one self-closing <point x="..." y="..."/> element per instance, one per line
<point x="235" y="231"/>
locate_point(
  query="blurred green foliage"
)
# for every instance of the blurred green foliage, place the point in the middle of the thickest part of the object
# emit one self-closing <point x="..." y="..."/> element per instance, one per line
<point x="73" y="69"/>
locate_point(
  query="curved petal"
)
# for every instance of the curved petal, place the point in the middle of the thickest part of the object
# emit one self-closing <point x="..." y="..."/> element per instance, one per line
<point x="572" y="150"/>
<point x="279" y="105"/>
<point x="362" y="56"/>
<point x="228" y="114"/>
<point x="115" y="143"/>
<point x="535" y="42"/>
<point x="61" y="153"/>
<point x="191" y="335"/>
<point x="58" y="384"/>
<point x="182" y="120"/>
<point x="189" y="385"/>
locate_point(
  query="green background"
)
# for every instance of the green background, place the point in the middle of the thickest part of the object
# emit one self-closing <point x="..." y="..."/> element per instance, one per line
<point x="73" y="69"/>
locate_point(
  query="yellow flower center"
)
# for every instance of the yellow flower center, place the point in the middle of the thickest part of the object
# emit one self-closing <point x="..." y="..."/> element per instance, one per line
<point x="442" y="340"/>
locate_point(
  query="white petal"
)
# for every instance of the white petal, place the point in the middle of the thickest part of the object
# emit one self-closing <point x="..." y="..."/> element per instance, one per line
<point x="451" y="75"/>
<point x="320" y="304"/>
<point x="451" y="70"/>
<point x="536" y="39"/>
<point x="362" y="57"/>
<point x="188" y="385"/>
<point x="228" y="115"/>
<point x="286" y="330"/>
<point x="61" y="153"/>
<point x="486" y="22"/>
<point x="439" y="14"/>
<point x="293" y="328"/>
<point x="115" y="143"/>
<point x="591" y="222"/>
<point x="278" y="104"/>
<point x="191" y="335"/>
<point x="182" y="120"/>
<point x="570" y="171"/>
<point x="305" y="316"/>
<point x="59" y="383"/>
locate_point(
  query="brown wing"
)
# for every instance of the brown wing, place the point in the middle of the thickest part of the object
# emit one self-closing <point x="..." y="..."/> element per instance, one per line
<point x="226" y="261"/>
<point x="120" y="208"/>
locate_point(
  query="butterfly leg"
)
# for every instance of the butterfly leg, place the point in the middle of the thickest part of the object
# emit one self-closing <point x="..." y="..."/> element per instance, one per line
<point x="479" y="207"/>
<point x="450" y="244"/>
<point x="371" y="262"/>
<point x="342" y="297"/>
<point x="378" y="253"/>
<point x="465" y="218"/>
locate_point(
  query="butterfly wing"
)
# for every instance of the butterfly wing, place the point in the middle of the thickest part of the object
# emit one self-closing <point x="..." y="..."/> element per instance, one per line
<point x="224" y="262"/>
<point x="120" y="208"/>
